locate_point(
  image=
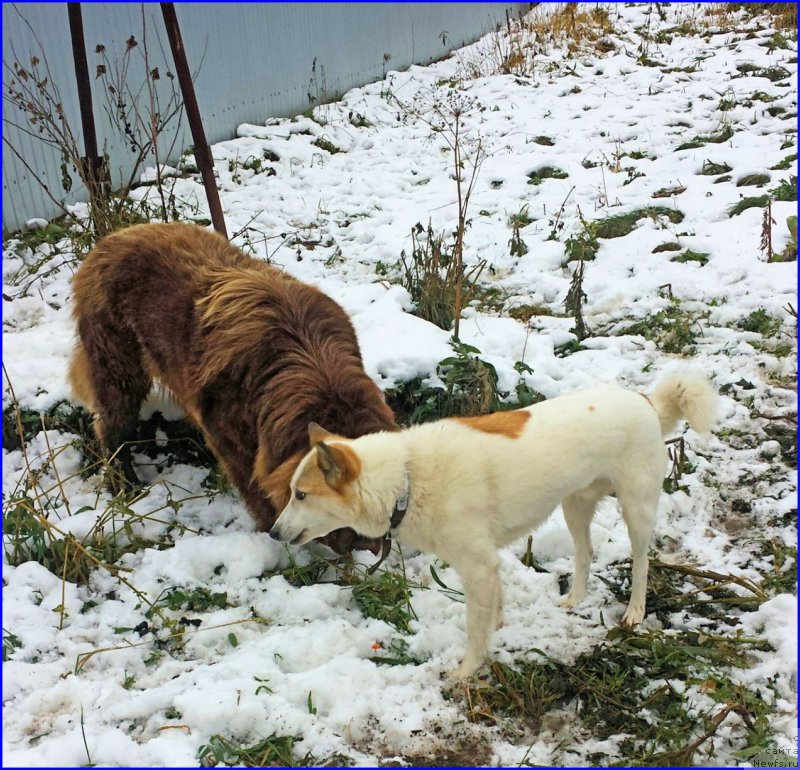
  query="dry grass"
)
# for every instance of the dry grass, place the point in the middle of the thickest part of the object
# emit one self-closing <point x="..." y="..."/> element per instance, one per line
<point x="784" y="15"/>
<point x="512" y="49"/>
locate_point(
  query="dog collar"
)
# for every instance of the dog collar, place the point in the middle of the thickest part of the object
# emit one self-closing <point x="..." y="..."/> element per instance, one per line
<point x="400" y="508"/>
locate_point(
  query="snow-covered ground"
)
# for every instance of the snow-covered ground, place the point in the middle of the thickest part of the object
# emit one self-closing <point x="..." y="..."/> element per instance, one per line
<point x="295" y="661"/>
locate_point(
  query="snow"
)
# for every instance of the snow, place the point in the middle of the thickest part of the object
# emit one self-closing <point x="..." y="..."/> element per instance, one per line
<point x="339" y="221"/>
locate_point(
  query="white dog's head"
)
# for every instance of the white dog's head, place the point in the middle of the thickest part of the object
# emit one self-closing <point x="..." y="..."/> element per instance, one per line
<point x="325" y="493"/>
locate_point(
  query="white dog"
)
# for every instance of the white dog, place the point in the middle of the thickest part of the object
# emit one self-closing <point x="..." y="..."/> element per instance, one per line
<point x="470" y="485"/>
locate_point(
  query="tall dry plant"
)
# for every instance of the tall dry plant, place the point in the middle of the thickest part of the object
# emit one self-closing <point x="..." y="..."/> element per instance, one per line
<point x="138" y="110"/>
<point x="446" y="112"/>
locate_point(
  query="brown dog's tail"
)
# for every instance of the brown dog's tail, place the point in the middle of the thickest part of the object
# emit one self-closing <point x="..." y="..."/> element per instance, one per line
<point x="79" y="378"/>
<point x="685" y="395"/>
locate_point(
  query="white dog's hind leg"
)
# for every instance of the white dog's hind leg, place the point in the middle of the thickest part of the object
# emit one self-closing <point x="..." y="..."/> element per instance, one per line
<point x="481" y="589"/>
<point x="498" y="621"/>
<point x="578" y="513"/>
<point x="639" y="512"/>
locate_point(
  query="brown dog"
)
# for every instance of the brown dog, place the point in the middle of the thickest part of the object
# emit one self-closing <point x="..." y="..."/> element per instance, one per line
<point x="252" y="354"/>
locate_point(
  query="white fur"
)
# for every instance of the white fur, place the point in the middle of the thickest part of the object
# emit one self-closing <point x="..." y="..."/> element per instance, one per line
<point x="473" y="492"/>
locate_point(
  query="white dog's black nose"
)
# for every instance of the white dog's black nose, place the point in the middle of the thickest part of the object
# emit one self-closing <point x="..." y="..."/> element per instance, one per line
<point x="275" y="533"/>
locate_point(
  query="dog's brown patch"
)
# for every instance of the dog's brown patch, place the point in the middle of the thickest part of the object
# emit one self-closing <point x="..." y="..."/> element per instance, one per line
<point x="591" y="408"/>
<point x="508" y="424"/>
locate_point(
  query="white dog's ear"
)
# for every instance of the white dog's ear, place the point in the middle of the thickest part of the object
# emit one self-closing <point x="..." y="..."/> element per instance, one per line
<point x="339" y="464"/>
<point x="317" y="433"/>
<point x="328" y="462"/>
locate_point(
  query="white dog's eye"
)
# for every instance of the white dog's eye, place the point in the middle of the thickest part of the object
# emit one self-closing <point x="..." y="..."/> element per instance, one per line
<point x="299" y="495"/>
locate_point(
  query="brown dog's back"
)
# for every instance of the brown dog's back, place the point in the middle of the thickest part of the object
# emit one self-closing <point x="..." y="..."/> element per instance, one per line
<point x="251" y="353"/>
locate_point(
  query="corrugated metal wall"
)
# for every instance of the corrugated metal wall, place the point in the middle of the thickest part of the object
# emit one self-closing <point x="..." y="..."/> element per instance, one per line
<point x="258" y="60"/>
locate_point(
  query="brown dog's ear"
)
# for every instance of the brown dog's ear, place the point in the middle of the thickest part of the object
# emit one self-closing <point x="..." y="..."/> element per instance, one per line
<point x="317" y="433"/>
<point x="339" y="464"/>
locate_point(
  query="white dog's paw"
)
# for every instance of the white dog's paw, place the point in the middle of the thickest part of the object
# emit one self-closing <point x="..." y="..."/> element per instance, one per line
<point x="571" y="599"/>
<point x="464" y="671"/>
<point x="633" y="616"/>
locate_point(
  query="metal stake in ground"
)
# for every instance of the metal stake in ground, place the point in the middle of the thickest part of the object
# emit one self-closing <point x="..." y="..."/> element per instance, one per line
<point x="94" y="172"/>
<point x="202" y="153"/>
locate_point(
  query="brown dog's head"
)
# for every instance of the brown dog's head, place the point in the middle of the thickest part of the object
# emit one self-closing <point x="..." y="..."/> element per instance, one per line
<point x="277" y="485"/>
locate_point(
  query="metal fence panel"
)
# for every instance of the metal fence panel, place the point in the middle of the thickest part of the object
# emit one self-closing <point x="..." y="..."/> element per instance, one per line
<point x="256" y="60"/>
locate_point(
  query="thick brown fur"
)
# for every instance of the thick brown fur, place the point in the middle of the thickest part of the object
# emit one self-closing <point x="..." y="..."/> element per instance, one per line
<point x="252" y="354"/>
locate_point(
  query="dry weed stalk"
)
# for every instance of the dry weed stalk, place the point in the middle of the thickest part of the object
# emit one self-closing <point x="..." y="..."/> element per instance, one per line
<point x="445" y="115"/>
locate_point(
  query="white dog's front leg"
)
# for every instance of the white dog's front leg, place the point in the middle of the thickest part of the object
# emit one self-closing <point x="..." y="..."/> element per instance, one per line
<point x="482" y="590"/>
<point x="578" y="513"/>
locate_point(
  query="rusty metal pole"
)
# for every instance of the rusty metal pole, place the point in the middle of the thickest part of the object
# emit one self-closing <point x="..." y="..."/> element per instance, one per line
<point x="202" y="152"/>
<point x="93" y="165"/>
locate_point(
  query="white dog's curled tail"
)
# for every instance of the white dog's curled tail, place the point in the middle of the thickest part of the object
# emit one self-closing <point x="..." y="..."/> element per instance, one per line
<point x="688" y="395"/>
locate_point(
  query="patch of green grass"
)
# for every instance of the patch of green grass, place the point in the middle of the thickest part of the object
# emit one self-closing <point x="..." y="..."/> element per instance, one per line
<point x="786" y="436"/>
<point x="773" y="73"/>
<point x="21" y="425"/>
<point x="668" y="192"/>
<point x="747" y="68"/>
<point x="11" y="642"/>
<point x="32" y="531"/>
<point x="583" y="246"/>
<point x="789" y="253"/>
<point x="725" y="133"/>
<point x="470" y="388"/>
<point x="753" y="180"/>
<point x="761" y="322"/>
<point x="396" y="654"/>
<point x="624" y="688"/>
<point x="521" y="219"/>
<point x="326" y="144"/>
<point x="193" y="600"/>
<point x="546" y="172"/>
<point x="274" y="751"/>
<point x="763" y="96"/>
<point x="568" y="348"/>
<point x="546" y="141"/>
<point x="786" y="190"/>
<point x="622" y="224"/>
<point x="31" y="535"/>
<point x="672" y="329"/>
<point x="759" y="201"/>
<point x="777" y="41"/>
<point x="786" y="163"/>
<point x="525" y="312"/>
<point x="671" y="246"/>
<point x="692" y="256"/>
<point x="386" y="596"/>
<point x="783" y="578"/>
<point x="313" y="572"/>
